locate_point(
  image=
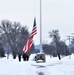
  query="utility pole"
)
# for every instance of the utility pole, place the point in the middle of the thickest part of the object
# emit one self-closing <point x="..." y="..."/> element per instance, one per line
<point x="69" y="38"/>
<point x="73" y="39"/>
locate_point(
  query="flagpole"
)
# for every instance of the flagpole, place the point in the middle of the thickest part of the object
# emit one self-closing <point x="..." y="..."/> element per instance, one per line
<point x="40" y="27"/>
<point x="40" y="56"/>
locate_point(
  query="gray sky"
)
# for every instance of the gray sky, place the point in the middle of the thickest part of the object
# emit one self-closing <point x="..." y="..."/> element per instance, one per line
<point x="56" y="14"/>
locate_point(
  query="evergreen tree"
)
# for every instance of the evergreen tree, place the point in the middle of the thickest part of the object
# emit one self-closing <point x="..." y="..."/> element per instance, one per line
<point x="56" y="39"/>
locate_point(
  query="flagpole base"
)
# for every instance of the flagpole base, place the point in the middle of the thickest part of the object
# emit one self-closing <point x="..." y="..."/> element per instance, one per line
<point x="40" y="57"/>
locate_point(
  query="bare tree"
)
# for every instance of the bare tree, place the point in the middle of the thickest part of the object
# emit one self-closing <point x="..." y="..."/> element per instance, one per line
<point x="2" y="52"/>
<point x="15" y="35"/>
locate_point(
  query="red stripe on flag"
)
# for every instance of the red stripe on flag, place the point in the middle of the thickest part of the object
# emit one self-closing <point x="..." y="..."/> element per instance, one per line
<point x="29" y="43"/>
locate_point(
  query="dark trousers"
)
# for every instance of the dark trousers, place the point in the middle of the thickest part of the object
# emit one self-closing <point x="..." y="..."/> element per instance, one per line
<point x="25" y="57"/>
<point x="19" y="57"/>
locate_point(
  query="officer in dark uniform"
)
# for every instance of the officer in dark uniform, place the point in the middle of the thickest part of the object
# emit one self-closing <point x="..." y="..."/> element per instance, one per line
<point x="25" y="56"/>
<point x="19" y="57"/>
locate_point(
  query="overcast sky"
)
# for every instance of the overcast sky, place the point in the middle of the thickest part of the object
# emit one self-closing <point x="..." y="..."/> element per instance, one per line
<point x="56" y="14"/>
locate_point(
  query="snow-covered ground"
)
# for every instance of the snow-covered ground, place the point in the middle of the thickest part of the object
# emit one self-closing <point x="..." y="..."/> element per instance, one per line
<point x="52" y="66"/>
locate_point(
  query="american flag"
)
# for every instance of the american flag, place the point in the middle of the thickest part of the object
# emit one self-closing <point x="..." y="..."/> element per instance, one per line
<point x="29" y="43"/>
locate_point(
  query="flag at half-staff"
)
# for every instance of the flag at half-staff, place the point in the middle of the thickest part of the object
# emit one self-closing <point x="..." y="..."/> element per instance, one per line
<point x="29" y="42"/>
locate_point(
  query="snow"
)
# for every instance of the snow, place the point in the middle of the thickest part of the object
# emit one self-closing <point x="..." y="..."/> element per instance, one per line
<point x="52" y="66"/>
